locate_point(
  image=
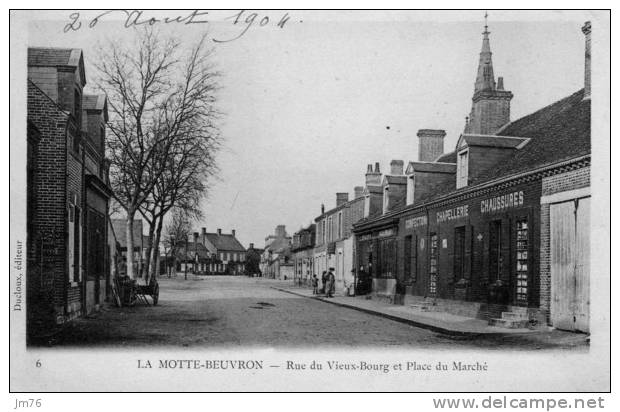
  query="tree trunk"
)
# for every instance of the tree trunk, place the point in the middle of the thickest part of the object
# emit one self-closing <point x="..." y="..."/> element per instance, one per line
<point x="129" y="239"/>
<point x="156" y="260"/>
<point x="149" y="251"/>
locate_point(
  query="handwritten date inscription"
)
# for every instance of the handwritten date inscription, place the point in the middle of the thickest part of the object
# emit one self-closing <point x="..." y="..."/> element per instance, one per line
<point x="136" y="18"/>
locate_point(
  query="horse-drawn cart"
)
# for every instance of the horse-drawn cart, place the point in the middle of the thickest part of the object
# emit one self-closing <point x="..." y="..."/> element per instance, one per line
<point x="127" y="292"/>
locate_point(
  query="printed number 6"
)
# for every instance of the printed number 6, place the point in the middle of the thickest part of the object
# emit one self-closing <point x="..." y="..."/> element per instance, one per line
<point x="38" y="364"/>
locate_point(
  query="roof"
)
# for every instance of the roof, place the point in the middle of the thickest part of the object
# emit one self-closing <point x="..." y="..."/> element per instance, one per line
<point x="344" y="205"/>
<point x="193" y="249"/>
<point x="558" y="132"/>
<point x="395" y="180"/>
<point x="432" y="167"/>
<point x="53" y="57"/>
<point x="447" y="157"/>
<point x="492" y="141"/>
<point x="225" y="242"/>
<point x="120" y="229"/>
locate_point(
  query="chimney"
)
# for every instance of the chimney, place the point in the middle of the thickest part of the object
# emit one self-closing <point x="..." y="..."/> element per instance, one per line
<point x="204" y="236"/>
<point x="341" y="198"/>
<point x="281" y="231"/>
<point x="195" y="238"/>
<point x="234" y="233"/>
<point x="358" y="191"/>
<point x="373" y="177"/>
<point x="587" y="30"/>
<point x="219" y="232"/>
<point x="322" y="208"/>
<point x="430" y="144"/>
<point x="396" y="167"/>
<point x="251" y="245"/>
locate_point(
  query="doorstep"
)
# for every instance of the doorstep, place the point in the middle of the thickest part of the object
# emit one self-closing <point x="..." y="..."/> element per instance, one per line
<point x="441" y="322"/>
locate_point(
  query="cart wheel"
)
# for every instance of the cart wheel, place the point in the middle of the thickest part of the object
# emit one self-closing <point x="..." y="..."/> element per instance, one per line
<point x="155" y="294"/>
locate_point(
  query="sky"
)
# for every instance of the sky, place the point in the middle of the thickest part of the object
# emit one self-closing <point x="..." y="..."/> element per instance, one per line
<point x="308" y="105"/>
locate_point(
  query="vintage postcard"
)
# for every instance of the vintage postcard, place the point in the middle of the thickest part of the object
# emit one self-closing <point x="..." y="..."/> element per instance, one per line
<point x="309" y="200"/>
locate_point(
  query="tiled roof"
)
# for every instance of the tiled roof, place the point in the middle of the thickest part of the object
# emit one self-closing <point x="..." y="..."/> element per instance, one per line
<point x="447" y="157"/>
<point x="193" y="249"/>
<point x="48" y="56"/>
<point x="431" y="167"/>
<point x="493" y="141"/>
<point x="225" y="242"/>
<point x="558" y="132"/>
<point x="93" y="101"/>
<point x="392" y="179"/>
<point x="120" y="225"/>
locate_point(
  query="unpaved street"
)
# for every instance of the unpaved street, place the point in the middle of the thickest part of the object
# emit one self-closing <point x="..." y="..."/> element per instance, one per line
<point x="224" y="311"/>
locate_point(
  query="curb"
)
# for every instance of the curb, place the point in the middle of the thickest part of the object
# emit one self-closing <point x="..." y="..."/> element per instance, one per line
<point x="417" y="324"/>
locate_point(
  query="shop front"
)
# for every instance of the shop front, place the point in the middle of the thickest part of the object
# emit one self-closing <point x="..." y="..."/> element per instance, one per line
<point x="480" y="247"/>
<point x="377" y="260"/>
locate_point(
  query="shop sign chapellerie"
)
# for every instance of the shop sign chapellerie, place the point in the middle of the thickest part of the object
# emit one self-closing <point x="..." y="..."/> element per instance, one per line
<point x="453" y="214"/>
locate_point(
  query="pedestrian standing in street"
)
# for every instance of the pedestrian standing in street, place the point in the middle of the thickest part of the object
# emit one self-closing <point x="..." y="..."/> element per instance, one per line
<point x="331" y="283"/>
<point x="315" y="285"/>
<point x="323" y="280"/>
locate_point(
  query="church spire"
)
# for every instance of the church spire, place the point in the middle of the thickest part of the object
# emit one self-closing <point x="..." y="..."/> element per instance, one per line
<point x="485" y="80"/>
<point x="490" y="103"/>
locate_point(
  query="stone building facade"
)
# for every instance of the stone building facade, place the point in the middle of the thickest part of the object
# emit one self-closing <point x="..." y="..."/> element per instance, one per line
<point x="302" y="250"/>
<point x="334" y="244"/>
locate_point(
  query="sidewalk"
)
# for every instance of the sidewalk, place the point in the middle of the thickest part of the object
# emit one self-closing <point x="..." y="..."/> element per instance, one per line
<point x="441" y="322"/>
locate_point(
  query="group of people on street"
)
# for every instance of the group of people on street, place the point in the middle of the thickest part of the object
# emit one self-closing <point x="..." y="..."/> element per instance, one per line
<point x="328" y="282"/>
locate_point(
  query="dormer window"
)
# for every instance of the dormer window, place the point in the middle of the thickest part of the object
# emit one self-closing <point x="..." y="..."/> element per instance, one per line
<point x="462" y="168"/>
<point x="410" y="187"/>
<point x="385" y="199"/>
<point x="77" y="107"/>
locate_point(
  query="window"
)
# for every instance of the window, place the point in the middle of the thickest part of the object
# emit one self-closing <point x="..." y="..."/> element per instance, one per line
<point x="522" y="260"/>
<point x="410" y="187"/>
<point x="495" y="250"/>
<point x="77" y="108"/>
<point x="432" y="271"/>
<point x="75" y="237"/>
<point x="385" y="199"/>
<point x="340" y="225"/>
<point x="102" y="138"/>
<point x="462" y="169"/>
<point x="387" y="258"/>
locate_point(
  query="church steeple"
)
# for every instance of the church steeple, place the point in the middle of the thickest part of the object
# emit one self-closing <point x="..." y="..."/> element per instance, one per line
<point x="491" y="103"/>
<point x="485" y="80"/>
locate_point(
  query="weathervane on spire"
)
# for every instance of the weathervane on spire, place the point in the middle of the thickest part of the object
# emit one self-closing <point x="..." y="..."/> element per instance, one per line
<point x="486" y="26"/>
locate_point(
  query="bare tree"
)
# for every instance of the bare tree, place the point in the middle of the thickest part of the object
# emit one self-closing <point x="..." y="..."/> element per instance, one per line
<point x="161" y="102"/>
<point x="178" y="229"/>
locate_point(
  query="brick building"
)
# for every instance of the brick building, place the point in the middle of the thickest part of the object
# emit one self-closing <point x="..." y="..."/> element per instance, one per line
<point x="498" y="228"/>
<point x="302" y="249"/>
<point x="68" y="191"/>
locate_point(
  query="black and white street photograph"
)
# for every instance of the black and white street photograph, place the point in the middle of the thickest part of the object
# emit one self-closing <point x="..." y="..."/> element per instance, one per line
<point x="267" y="192"/>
